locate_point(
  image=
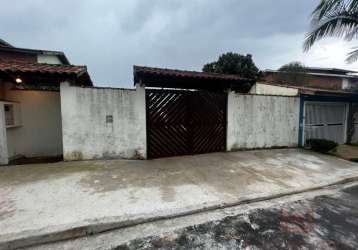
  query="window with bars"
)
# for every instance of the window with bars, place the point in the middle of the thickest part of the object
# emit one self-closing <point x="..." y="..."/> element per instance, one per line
<point x="9" y="115"/>
<point x="12" y="114"/>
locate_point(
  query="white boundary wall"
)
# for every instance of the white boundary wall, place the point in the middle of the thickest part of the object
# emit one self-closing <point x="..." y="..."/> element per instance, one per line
<point x="86" y="127"/>
<point x="3" y="138"/>
<point x="261" y="121"/>
<point x="267" y="89"/>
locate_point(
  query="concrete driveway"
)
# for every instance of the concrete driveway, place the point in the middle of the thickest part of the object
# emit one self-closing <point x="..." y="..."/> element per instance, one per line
<point x="49" y="202"/>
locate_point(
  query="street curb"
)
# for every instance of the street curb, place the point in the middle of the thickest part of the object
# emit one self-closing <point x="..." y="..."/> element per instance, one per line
<point x="38" y="237"/>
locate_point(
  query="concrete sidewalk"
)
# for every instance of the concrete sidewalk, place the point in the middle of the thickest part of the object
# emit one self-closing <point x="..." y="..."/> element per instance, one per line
<point x="44" y="203"/>
<point x="322" y="219"/>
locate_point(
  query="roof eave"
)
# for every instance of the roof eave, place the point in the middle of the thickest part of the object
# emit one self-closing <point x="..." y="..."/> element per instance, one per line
<point x="180" y="79"/>
<point x="47" y="77"/>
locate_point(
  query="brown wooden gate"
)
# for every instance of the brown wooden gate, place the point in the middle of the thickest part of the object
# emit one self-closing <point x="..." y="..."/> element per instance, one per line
<point x="181" y="122"/>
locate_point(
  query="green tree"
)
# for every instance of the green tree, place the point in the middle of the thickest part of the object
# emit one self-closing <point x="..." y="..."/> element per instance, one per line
<point x="234" y="64"/>
<point x="293" y="73"/>
<point x="334" y="18"/>
<point x="295" y="67"/>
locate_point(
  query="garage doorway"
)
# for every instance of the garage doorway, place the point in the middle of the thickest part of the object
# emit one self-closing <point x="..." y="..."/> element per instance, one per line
<point x="183" y="122"/>
<point x="325" y="120"/>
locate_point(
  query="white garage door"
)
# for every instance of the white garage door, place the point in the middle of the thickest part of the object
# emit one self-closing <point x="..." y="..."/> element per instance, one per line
<point x="325" y="121"/>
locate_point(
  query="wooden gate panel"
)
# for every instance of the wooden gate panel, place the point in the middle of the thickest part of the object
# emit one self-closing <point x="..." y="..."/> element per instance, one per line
<point x="185" y="122"/>
<point x="167" y="123"/>
<point x="208" y="122"/>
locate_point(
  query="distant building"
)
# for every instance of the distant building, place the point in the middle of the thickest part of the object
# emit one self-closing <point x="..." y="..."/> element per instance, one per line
<point x="325" y="78"/>
<point x="328" y="101"/>
<point x="11" y="53"/>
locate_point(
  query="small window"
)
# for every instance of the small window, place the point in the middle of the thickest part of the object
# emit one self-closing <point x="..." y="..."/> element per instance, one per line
<point x="9" y="115"/>
<point x="12" y="114"/>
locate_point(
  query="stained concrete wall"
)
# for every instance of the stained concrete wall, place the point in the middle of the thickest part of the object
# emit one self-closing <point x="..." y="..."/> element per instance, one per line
<point x="267" y="89"/>
<point x="40" y="133"/>
<point x="259" y="121"/>
<point x="3" y="138"/>
<point x="88" y="132"/>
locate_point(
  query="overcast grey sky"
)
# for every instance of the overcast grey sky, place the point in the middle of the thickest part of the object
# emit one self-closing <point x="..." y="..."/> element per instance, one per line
<point x="111" y="36"/>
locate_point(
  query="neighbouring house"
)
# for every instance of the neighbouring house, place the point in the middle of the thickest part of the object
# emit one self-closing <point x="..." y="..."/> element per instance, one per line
<point x="30" y="107"/>
<point x="11" y="53"/>
<point x="328" y="103"/>
<point x="323" y="78"/>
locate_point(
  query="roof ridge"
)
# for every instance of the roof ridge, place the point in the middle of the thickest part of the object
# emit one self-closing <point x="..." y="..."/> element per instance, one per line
<point x="37" y="63"/>
<point x="189" y="71"/>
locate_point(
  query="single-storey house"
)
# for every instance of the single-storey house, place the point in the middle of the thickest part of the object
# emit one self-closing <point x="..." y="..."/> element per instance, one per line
<point x="30" y="108"/>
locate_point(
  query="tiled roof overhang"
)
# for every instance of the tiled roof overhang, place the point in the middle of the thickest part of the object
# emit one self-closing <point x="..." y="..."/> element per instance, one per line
<point x="45" y="73"/>
<point x="170" y="78"/>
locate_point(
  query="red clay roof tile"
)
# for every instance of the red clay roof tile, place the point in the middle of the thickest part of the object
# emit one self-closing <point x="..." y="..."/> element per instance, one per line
<point x="186" y="73"/>
<point x="26" y="67"/>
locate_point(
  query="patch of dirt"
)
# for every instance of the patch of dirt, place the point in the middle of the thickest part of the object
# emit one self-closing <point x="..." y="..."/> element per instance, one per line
<point x="347" y="152"/>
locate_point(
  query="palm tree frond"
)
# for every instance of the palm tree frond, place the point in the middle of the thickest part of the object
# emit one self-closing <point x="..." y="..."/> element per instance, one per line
<point x="334" y="18"/>
<point x="352" y="34"/>
<point x="352" y="56"/>
<point x="326" y="6"/>
<point x="340" y="24"/>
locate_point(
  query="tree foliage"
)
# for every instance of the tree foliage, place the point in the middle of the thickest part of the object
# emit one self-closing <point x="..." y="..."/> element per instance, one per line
<point x="234" y="64"/>
<point x="295" y="67"/>
<point x="292" y="73"/>
<point x="334" y="18"/>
